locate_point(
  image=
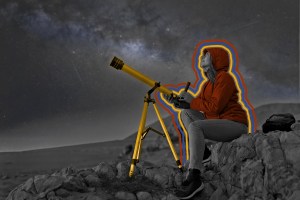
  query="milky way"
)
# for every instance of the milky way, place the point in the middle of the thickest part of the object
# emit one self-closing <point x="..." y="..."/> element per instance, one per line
<point x="56" y="54"/>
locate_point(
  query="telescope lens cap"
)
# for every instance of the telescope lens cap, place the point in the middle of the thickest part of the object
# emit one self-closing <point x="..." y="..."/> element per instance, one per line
<point x="117" y="63"/>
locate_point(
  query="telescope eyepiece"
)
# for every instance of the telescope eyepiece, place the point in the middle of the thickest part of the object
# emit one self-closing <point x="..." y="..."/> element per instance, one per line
<point x="117" y="63"/>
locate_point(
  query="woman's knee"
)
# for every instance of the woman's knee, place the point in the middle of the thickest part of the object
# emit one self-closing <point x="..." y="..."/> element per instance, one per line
<point x="191" y="115"/>
<point x="195" y="127"/>
<point x="184" y="115"/>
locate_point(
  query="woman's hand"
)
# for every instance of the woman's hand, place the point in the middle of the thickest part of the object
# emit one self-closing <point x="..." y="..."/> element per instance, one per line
<point x="178" y="102"/>
<point x="185" y="96"/>
<point x="182" y="104"/>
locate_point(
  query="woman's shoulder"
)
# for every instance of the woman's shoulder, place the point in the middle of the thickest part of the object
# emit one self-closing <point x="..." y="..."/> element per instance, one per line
<point x="224" y="76"/>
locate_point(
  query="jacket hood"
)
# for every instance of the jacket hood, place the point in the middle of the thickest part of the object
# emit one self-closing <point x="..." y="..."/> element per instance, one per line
<point x="220" y="58"/>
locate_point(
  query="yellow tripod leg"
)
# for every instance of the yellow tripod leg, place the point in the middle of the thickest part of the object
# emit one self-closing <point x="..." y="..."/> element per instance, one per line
<point x="139" y="149"/>
<point x="137" y="146"/>
<point x="168" y="137"/>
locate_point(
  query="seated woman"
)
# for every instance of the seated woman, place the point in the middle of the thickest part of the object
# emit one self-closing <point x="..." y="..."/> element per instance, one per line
<point x="215" y="114"/>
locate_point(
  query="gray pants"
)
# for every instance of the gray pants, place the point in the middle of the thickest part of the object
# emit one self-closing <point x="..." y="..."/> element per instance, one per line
<point x="199" y="128"/>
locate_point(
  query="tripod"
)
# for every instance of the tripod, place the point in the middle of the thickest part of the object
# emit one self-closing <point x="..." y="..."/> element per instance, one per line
<point x="120" y="65"/>
<point x="142" y="132"/>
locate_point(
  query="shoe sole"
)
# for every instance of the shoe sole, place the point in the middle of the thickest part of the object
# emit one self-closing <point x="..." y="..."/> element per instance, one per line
<point x="195" y="192"/>
<point x="206" y="160"/>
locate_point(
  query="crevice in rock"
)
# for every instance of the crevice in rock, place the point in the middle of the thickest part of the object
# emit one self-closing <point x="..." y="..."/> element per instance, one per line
<point x="34" y="186"/>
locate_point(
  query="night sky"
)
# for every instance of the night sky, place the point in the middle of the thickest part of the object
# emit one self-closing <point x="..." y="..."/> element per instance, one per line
<point x="56" y="86"/>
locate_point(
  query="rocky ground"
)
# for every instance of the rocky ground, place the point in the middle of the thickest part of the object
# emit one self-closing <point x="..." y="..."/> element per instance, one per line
<point x="256" y="166"/>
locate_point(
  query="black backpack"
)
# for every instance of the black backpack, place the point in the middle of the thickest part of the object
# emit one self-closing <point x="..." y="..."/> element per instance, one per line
<point x="280" y="122"/>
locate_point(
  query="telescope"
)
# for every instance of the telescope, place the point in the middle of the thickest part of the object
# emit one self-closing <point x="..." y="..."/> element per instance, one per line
<point x="120" y="65"/>
<point x="142" y="132"/>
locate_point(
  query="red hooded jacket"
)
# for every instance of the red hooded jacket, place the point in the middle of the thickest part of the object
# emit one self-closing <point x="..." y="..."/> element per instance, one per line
<point x="220" y="100"/>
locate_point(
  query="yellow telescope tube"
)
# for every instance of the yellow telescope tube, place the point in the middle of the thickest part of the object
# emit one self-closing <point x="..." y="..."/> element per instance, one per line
<point x="119" y="64"/>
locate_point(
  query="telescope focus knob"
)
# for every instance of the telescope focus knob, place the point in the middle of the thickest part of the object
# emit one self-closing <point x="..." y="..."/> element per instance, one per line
<point x="117" y="63"/>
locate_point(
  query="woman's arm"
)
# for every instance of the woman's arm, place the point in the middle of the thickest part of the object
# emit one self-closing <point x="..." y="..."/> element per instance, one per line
<point x="222" y="92"/>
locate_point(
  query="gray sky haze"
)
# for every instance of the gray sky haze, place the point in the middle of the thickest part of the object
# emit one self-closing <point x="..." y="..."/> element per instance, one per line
<point x="56" y="86"/>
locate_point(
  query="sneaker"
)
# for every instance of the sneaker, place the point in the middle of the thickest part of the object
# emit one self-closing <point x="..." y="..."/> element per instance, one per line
<point x="206" y="156"/>
<point x="191" y="190"/>
<point x="192" y="175"/>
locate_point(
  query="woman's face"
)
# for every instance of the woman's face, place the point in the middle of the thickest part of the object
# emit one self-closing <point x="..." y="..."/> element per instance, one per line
<point x="206" y="61"/>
